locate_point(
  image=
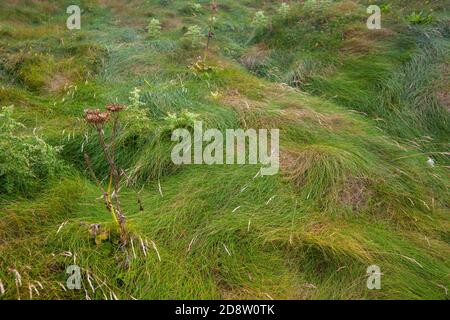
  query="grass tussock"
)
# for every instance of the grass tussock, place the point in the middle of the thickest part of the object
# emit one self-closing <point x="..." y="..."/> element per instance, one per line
<point x="363" y="119"/>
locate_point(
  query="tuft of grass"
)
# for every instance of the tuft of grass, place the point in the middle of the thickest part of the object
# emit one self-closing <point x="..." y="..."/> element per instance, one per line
<point x="359" y="116"/>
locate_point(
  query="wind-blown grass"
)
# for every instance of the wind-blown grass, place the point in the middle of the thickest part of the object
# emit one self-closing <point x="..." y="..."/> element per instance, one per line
<point x="358" y="121"/>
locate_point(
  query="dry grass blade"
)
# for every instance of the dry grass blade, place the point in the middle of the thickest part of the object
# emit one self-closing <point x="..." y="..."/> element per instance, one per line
<point x="226" y="249"/>
<point x="62" y="286"/>
<point x="156" y="249"/>
<point x="144" y="249"/>
<point x="191" y="243"/>
<point x="132" y="248"/>
<point x="90" y="282"/>
<point x="412" y="260"/>
<point x="61" y="226"/>
<point x="2" y="288"/>
<point x="236" y="209"/>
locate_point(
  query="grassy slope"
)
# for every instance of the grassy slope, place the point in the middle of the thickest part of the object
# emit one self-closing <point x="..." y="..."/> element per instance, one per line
<point x="354" y="188"/>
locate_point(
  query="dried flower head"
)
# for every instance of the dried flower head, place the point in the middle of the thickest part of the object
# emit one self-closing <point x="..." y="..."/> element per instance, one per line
<point x="214" y="6"/>
<point x="115" y="107"/>
<point x="96" y="116"/>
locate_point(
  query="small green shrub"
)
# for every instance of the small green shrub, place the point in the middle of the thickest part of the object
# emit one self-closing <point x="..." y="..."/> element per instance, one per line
<point x="420" y="18"/>
<point x="183" y="120"/>
<point x="193" y="9"/>
<point x="196" y="7"/>
<point x="284" y="10"/>
<point x="260" y="20"/>
<point x="385" y="8"/>
<point x="154" y="28"/>
<point x="193" y="37"/>
<point x="135" y="98"/>
<point x="25" y="160"/>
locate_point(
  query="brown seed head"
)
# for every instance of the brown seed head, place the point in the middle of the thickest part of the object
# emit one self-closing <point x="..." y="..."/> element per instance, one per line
<point x="96" y="116"/>
<point x="115" y="107"/>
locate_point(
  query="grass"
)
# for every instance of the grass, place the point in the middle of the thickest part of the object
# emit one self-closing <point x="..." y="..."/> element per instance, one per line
<point x="358" y="113"/>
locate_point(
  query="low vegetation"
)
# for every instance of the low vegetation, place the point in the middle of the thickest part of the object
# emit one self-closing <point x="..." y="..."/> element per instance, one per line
<point x="364" y="133"/>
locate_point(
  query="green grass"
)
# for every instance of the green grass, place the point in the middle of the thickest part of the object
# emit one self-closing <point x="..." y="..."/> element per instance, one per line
<point x="359" y="116"/>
